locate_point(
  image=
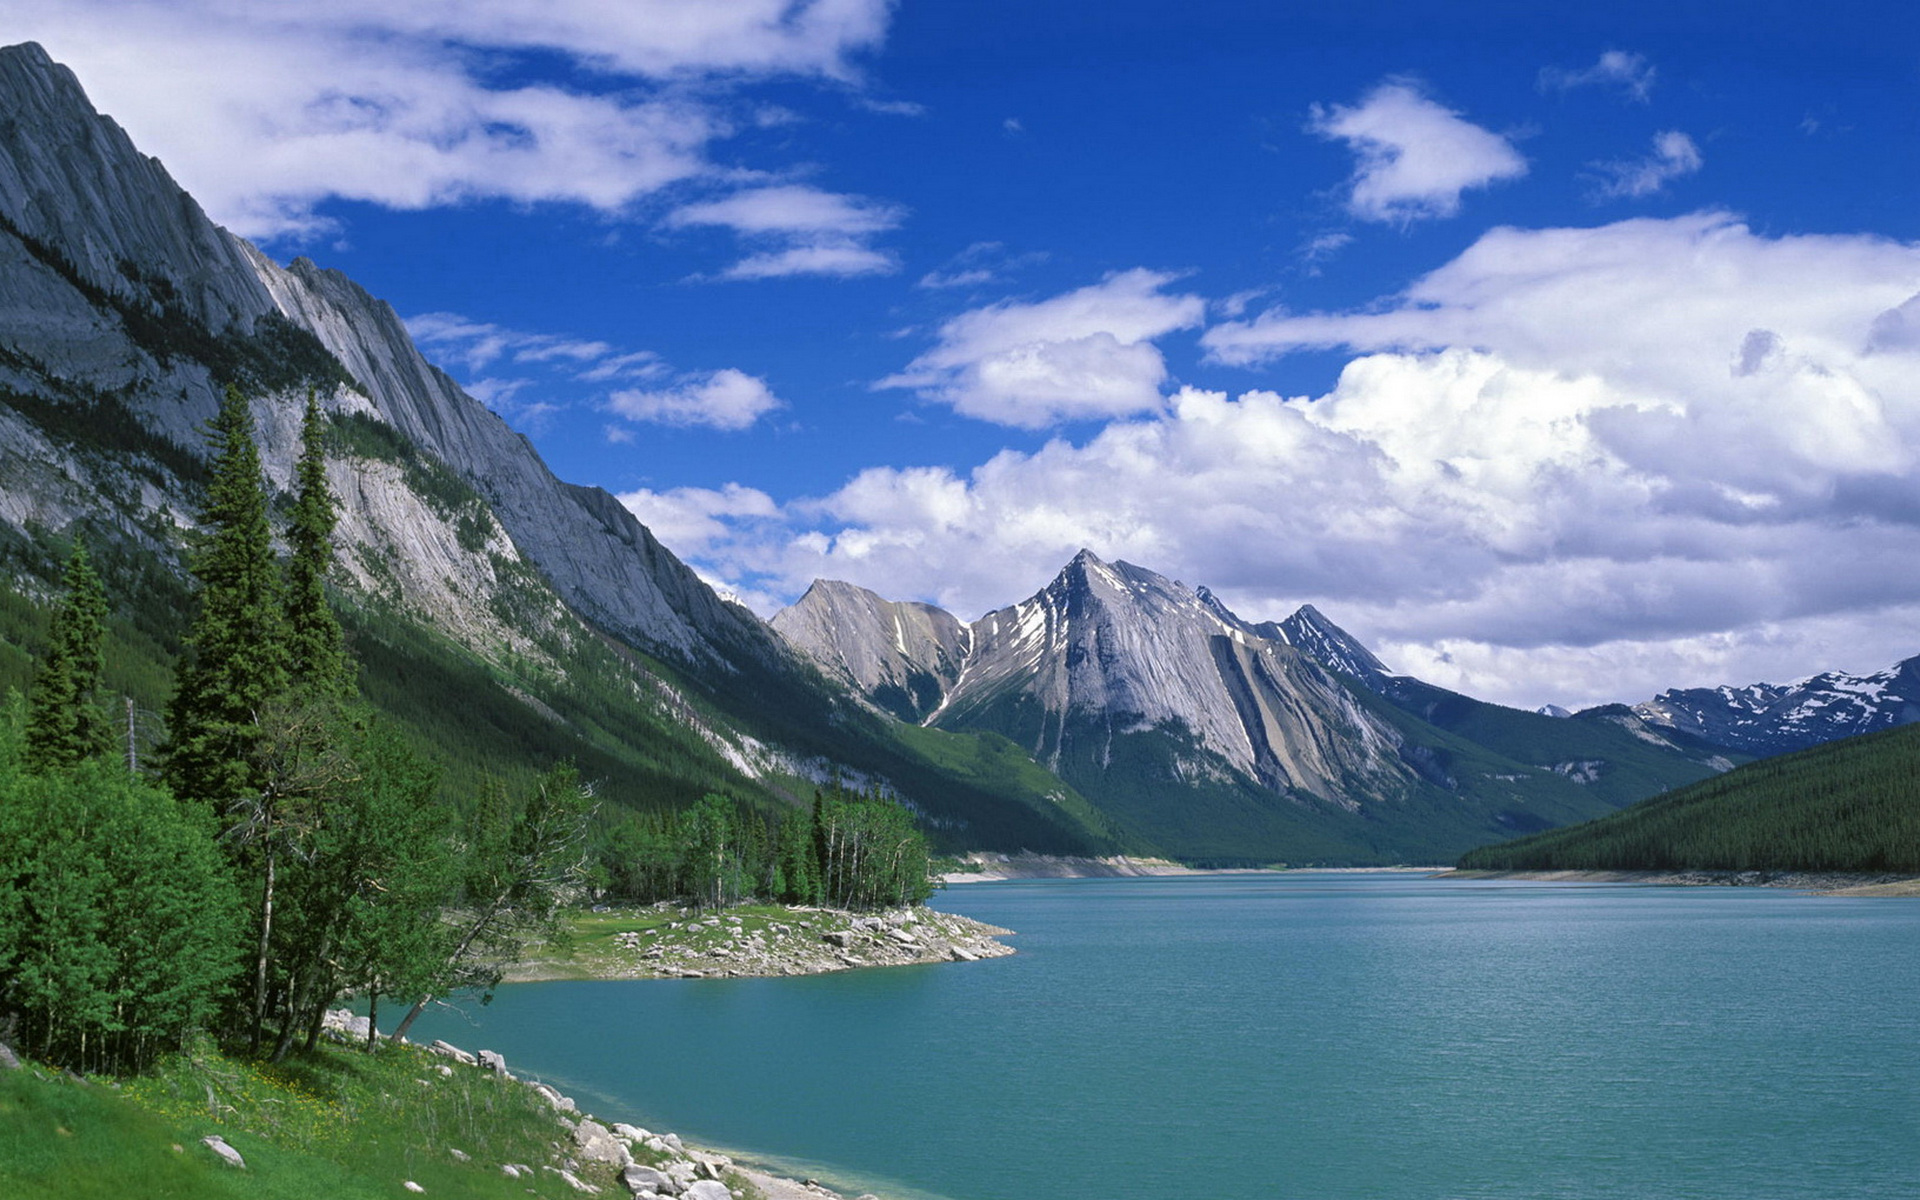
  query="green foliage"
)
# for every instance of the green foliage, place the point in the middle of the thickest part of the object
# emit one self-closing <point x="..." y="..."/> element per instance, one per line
<point x="118" y="917"/>
<point x="237" y="660"/>
<point x="1850" y="806"/>
<point x="850" y="850"/>
<point x="525" y="856"/>
<point x="317" y="659"/>
<point x="65" y="724"/>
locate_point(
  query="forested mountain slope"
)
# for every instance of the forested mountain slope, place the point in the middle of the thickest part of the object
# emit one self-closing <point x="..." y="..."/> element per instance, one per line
<point x="1851" y="805"/>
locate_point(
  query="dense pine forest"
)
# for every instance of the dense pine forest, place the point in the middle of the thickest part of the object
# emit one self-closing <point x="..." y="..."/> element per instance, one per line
<point x="1847" y="806"/>
<point x="281" y="845"/>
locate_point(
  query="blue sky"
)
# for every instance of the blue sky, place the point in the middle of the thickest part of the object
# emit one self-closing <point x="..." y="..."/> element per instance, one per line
<point x="1563" y="353"/>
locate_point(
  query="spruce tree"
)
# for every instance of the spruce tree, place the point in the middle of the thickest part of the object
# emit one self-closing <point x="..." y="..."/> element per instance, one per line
<point x="65" y="724"/>
<point x="317" y="659"/>
<point x="236" y="661"/>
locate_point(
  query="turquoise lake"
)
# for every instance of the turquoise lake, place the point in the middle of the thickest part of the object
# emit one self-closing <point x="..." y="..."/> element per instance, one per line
<point x="1304" y="1035"/>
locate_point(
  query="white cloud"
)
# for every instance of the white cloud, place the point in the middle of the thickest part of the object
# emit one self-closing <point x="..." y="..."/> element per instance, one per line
<point x="1674" y="155"/>
<point x="692" y="520"/>
<point x="979" y="264"/>
<point x="1085" y="354"/>
<point x="821" y="233"/>
<point x="1415" y="156"/>
<point x="1632" y="74"/>
<point x="724" y="399"/>
<point x="1572" y="465"/>
<point x="791" y="209"/>
<point x="835" y="259"/>
<point x="263" y="111"/>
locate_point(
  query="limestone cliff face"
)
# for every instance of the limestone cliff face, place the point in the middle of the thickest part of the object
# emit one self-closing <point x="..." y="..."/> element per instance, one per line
<point x="116" y="291"/>
<point x="1115" y="650"/>
<point x="902" y="655"/>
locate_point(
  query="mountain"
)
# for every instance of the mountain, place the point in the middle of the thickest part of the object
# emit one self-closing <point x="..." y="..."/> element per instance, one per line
<point x="1214" y="738"/>
<point x="1763" y="718"/>
<point x="504" y="617"/>
<point x="1850" y="805"/>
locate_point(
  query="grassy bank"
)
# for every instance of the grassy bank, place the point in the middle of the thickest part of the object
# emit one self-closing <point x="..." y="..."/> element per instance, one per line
<point x="340" y="1125"/>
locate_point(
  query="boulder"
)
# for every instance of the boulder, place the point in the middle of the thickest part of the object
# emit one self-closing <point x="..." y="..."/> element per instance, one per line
<point x="632" y="1133"/>
<point x="559" y="1102"/>
<point x="411" y="1186"/>
<point x="9" y="1061"/>
<point x="707" y="1189"/>
<point x="495" y="1063"/>
<point x="645" y="1179"/>
<point x="597" y="1144"/>
<point x="218" y="1145"/>
<point x="576" y="1183"/>
<point x="838" y="937"/>
<point x="449" y="1050"/>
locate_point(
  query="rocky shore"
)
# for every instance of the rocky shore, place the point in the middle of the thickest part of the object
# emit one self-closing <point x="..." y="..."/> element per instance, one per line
<point x="992" y="868"/>
<point x="1824" y="883"/>
<point x="617" y="1159"/>
<point x="671" y="942"/>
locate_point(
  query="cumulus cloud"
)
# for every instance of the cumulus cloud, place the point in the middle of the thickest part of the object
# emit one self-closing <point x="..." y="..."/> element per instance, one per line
<point x="1674" y="155"/>
<point x="692" y="519"/>
<point x="723" y="399"/>
<point x="397" y="105"/>
<point x="1416" y="156"/>
<point x="1571" y="465"/>
<point x="1086" y="354"/>
<point x="1631" y="74"/>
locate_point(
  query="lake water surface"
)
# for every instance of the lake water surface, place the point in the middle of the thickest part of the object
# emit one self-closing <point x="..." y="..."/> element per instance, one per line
<point x="1315" y="1036"/>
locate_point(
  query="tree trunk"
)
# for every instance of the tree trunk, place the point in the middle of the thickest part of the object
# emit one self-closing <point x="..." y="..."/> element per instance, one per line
<point x="266" y="939"/>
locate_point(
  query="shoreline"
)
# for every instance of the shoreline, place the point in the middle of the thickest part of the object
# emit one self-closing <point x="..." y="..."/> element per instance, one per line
<point x="758" y="941"/>
<point x="998" y="868"/>
<point x="645" y="1164"/>
<point x="1820" y="883"/>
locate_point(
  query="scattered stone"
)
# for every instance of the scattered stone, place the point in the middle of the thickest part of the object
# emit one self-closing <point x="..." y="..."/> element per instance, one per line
<point x="515" y="1170"/>
<point x="459" y="1155"/>
<point x="842" y="938"/>
<point x="707" y="1189"/>
<point x="632" y="1133"/>
<point x="645" y="1179"/>
<point x="559" y="1102"/>
<point x="574" y="1181"/>
<point x="454" y="1052"/>
<point x="493" y="1062"/>
<point x="218" y="1145"/>
<point x="446" y="1072"/>
<point x="673" y="1142"/>
<point x="411" y="1186"/>
<point x="597" y="1144"/>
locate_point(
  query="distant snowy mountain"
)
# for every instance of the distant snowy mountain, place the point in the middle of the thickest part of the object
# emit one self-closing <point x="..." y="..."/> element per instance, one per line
<point x="1765" y="718"/>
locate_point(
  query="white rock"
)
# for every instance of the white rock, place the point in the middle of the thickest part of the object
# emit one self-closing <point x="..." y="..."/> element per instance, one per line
<point x="707" y="1189"/>
<point x="411" y="1186"/>
<point x="218" y="1145"/>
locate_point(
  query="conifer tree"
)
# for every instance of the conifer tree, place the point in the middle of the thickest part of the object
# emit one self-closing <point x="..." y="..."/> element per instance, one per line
<point x="317" y="659"/>
<point x="237" y="648"/>
<point x="65" y="724"/>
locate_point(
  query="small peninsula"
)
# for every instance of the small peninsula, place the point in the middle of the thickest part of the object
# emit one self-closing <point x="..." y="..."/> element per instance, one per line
<point x="668" y="941"/>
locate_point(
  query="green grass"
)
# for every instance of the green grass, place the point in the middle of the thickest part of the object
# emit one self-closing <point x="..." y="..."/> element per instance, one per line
<point x="338" y="1126"/>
